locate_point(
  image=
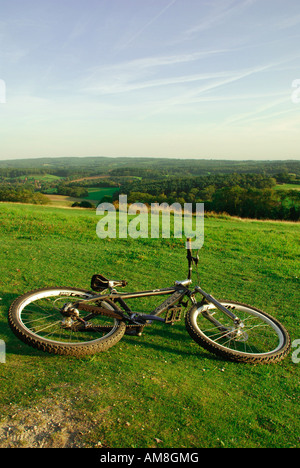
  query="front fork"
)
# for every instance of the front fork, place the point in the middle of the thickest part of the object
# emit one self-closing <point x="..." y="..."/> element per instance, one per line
<point x="236" y="331"/>
<point x="210" y="299"/>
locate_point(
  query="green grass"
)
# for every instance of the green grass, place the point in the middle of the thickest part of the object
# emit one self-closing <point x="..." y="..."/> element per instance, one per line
<point x="161" y="389"/>
<point x="96" y="193"/>
<point x="287" y="187"/>
<point x="43" y="177"/>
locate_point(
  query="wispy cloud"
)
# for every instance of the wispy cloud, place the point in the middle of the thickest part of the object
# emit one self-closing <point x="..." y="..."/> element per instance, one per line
<point x="123" y="87"/>
<point x="163" y="94"/>
<point x="261" y="111"/>
<point x="233" y="76"/>
<point x="161" y="60"/>
<point x="289" y="22"/>
<point x="134" y="74"/>
<point x="125" y="44"/>
<point x="222" y="11"/>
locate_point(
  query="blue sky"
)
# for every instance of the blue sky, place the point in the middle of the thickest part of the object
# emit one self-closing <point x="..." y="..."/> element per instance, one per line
<point x="155" y="78"/>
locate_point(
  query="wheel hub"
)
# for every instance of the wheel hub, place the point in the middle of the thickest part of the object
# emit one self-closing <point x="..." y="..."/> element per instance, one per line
<point x="67" y="323"/>
<point x="70" y="314"/>
<point x="238" y="334"/>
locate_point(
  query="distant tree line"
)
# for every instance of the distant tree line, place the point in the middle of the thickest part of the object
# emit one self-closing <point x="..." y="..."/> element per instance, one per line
<point x="121" y="166"/>
<point x="72" y="191"/>
<point x="200" y="186"/>
<point x="236" y="201"/>
<point x="243" y="195"/>
<point x="22" y="195"/>
<point x="256" y="203"/>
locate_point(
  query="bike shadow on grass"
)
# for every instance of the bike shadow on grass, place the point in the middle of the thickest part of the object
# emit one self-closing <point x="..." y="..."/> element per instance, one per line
<point x="169" y="338"/>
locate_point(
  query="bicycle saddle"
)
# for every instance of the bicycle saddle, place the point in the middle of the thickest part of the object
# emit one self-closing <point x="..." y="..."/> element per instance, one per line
<point x="99" y="283"/>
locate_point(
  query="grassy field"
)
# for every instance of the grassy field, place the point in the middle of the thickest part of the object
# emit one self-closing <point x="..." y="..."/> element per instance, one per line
<point x="160" y="389"/>
<point x="287" y="187"/>
<point x="45" y="177"/>
<point x="95" y="196"/>
<point x="97" y="193"/>
<point x="62" y="201"/>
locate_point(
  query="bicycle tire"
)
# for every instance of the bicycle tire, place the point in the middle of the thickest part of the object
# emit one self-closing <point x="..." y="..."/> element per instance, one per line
<point x="29" y="336"/>
<point x="207" y="339"/>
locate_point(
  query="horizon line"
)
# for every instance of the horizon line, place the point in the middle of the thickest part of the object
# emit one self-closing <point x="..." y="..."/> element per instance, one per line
<point x="216" y="159"/>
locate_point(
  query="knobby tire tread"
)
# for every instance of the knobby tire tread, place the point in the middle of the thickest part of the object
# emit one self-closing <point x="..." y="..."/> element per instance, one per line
<point x="235" y="355"/>
<point x="75" y="349"/>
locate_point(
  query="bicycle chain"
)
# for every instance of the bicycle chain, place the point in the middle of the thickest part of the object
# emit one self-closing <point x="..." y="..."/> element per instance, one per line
<point x="108" y="313"/>
<point x="90" y="325"/>
<point x="99" y="311"/>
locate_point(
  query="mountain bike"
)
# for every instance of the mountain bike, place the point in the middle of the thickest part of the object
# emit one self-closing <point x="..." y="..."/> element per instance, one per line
<point x="71" y="321"/>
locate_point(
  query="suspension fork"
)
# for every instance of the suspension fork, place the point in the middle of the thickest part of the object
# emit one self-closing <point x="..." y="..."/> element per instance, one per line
<point x="219" y="306"/>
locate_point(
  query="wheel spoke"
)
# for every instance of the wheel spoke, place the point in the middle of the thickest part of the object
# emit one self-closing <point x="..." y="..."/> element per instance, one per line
<point x="42" y="317"/>
<point x="256" y="333"/>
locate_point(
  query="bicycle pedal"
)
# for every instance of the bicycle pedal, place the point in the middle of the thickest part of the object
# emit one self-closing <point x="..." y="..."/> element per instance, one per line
<point x="173" y="315"/>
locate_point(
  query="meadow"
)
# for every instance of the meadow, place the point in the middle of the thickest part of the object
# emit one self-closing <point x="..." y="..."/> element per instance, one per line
<point x="160" y="389"/>
<point x="287" y="187"/>
<point x="96" y="194"/>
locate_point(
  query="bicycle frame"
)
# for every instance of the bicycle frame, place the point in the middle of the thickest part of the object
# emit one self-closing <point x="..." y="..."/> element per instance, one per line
<point x="177" y="293"/>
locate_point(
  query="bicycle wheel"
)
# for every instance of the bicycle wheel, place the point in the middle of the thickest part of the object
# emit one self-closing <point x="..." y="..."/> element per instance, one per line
<point x="36" y="319"/>
<point x="258" y="338"/>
